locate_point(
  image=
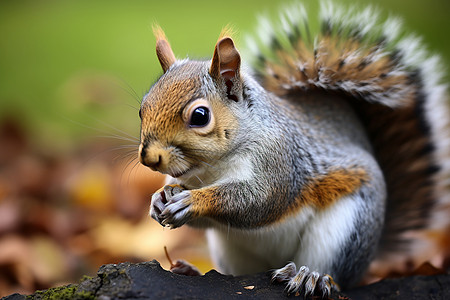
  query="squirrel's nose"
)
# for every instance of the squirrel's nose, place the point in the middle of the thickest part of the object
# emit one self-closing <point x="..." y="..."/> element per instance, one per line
<point x="151" y="159"/>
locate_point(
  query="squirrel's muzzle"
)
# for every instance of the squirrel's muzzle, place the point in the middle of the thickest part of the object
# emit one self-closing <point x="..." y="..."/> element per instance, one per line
<point x="152" y="157"/>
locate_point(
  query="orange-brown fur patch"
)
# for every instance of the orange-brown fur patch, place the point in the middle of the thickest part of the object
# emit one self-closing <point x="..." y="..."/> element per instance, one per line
<point x="206" y="202"/>
<point x="322" y="191"/>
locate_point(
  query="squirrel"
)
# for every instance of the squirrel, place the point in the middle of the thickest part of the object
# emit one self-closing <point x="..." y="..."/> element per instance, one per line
<point x="313" y="159"/>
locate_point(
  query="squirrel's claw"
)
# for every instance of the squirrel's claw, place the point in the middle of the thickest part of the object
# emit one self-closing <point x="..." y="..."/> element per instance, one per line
<point x="177" y="210"/>
<point x="304" y="281"/>
<point x="170" y="206"/>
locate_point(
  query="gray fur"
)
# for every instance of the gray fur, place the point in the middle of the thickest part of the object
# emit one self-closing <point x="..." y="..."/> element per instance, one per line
<point x="388" y="111"/>
<point x="284" y="142"/>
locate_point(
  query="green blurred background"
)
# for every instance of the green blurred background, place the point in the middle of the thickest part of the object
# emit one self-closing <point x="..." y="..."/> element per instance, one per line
<point x="73" y="70"/>
<point x="51" y="50"/>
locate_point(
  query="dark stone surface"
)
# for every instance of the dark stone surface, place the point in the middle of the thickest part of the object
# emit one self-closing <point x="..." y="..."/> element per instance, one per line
<point x="149" y="281"/>
<point x="414" y="287"/>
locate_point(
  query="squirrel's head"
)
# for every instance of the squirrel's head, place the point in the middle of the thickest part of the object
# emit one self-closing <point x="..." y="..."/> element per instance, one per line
<point x="188" y="116"/>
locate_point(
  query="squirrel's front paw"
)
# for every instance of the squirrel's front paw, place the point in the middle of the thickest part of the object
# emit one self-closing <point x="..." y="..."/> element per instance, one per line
<point x="171" y="206"/>
<point x="305" y="282"/>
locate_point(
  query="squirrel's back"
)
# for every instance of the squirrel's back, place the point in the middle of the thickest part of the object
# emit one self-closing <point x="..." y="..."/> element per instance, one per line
<point x="395" y="86"/>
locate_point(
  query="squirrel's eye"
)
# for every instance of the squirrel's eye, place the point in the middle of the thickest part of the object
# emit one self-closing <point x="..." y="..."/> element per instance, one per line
<point x="200" y="117"/>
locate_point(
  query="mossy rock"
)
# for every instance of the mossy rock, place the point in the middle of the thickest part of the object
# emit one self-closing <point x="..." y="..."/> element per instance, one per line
<point x="149" y="281"/>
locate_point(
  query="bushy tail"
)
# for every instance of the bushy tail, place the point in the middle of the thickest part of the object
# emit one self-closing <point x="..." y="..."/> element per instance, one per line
<point x="394" y="85"/>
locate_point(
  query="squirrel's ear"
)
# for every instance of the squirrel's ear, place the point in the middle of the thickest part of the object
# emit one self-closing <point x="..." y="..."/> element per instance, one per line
<point x="226" y="63"/>
<point x="163" y="51"/>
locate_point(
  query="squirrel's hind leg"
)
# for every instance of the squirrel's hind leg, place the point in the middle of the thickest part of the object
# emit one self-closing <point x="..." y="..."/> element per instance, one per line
<point x="304" y="281"/>
<point x="339" y="240"/>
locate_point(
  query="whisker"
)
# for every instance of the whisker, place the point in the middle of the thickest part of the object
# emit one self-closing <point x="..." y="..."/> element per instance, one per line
<point x="118" y="137"/>
<point x="128" y="163"/>
<point x="128" y="151"/>
<point x="196" y="176"/>
<point x="114" y="128"/>
<point x="131" y="154"/>
<point x="200" y="161"/>
<point x="206" y="164"/>
<point x="133" y="92"/>
<point x="132" y="106"/>
<point x="106" y="151"/>
<point x="197" y="150"/>
<point x="129" y="148"/>
<point x="135" y="167"/>
<point x="129" y="136"/>
<point x="201" y="181"/>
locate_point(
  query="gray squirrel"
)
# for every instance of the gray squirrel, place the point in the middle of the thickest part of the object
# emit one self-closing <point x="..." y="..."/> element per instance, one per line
<point x="312" y="160"/>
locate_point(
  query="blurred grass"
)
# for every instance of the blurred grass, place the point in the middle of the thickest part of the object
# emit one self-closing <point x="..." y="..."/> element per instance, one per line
<point x="64" y="60"/>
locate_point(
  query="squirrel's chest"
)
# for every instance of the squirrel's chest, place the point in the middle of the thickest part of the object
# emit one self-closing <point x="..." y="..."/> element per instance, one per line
<point x="267" y="248"/>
